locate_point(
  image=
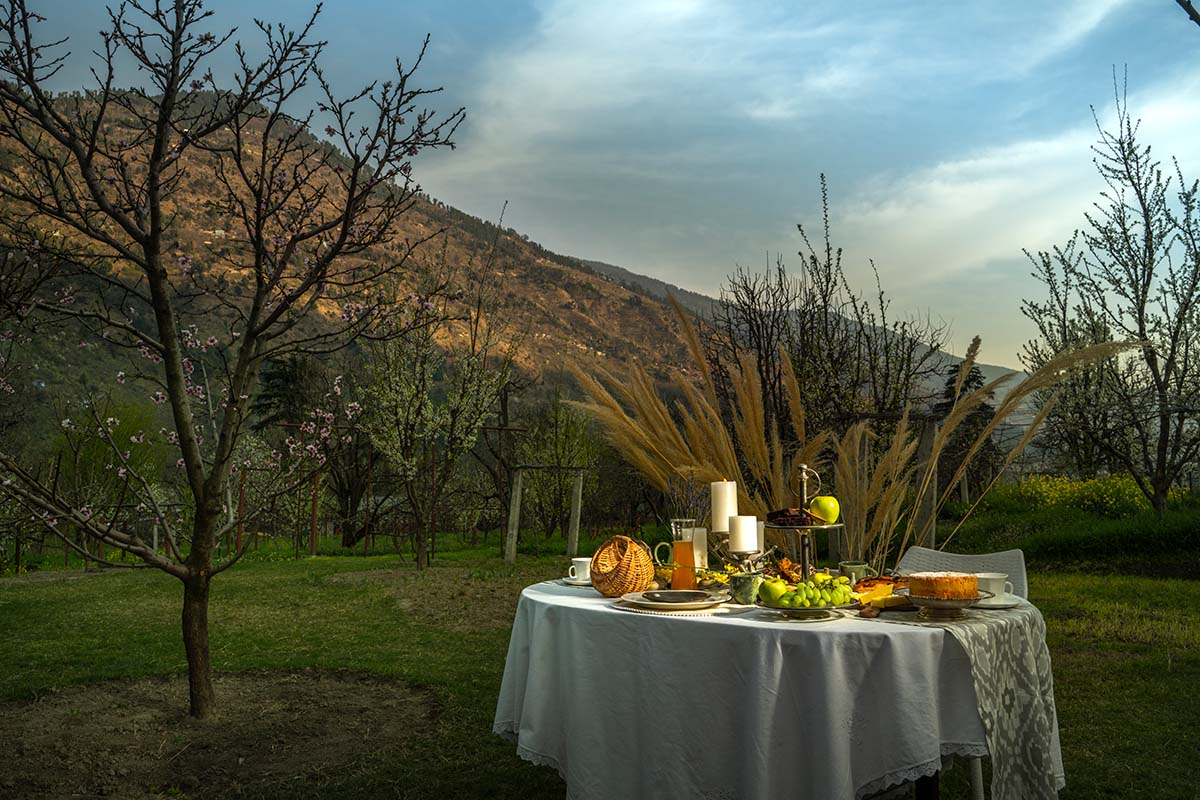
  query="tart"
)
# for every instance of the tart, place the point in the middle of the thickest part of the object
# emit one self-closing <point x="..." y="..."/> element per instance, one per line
<point x="867" y="584"/>
<point x="944" y="585"/>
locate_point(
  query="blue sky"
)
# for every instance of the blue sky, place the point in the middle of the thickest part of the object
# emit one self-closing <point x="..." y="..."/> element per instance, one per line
<point x="680" y="138"/>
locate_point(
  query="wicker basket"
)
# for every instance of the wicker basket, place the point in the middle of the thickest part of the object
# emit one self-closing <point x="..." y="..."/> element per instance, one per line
<point x="622" y="565"/>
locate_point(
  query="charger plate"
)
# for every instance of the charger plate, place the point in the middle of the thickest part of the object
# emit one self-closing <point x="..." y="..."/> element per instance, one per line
<point x="640" y="600"/>
<point x="728" y="609"/>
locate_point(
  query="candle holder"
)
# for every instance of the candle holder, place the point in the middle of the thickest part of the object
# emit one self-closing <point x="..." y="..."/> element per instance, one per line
<point x="744" y="560"/>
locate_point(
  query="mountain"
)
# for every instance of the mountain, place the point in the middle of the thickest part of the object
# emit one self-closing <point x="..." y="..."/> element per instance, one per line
<point x="564" y="308"/>
<point x="699" y="304"/>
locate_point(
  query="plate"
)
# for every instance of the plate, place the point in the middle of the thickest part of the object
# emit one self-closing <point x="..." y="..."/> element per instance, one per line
<point x="675" y="596"/>
<point x="809" y="615"/>
<point x="711" y="599"/>
<point x="576" y="581"/>
<point x="811" y="611"/>
<point x="1002" y="601"/>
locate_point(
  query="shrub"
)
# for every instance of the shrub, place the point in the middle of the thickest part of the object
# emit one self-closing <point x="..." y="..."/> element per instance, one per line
<point x="1113" y="496"/>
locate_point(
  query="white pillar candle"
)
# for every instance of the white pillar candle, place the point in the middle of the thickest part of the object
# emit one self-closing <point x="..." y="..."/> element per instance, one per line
<point x="700" y="547"/>
<point x="743" y="534"/>
<point x="762" y="536"/>
<point x="724" y="504"/>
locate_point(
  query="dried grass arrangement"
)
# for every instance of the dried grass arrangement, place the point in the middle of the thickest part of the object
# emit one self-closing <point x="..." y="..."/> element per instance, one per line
<point x="877" y="486"/>
<point x="694" y="443"/>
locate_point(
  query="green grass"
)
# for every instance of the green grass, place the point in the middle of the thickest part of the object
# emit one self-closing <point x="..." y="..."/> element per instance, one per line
<point x="1124" y="650"/>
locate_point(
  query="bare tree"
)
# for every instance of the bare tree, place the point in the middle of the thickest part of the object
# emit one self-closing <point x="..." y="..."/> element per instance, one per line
<point x="851" y="356"/>
<point x="1136" y="275"/>
<point x="98" y="179"/>
<point x="1190" y="9"/>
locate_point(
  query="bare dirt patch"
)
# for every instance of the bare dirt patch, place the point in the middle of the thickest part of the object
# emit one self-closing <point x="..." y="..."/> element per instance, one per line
<point x="276" y="734"/>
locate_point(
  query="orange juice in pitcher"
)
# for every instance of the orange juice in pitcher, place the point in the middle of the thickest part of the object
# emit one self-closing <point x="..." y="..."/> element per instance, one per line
<point x="684" y="576"/>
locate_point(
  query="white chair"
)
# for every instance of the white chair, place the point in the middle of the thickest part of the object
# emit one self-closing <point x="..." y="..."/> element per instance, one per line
<point x="1012" y="562"/>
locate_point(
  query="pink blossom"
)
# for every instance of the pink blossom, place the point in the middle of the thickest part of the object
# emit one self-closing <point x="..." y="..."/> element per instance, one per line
<point x="120" y="377"/>
<point x="159" y="398"/>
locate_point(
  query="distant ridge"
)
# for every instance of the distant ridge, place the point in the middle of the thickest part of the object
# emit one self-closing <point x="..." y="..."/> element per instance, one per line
<point x="695" y="302"/>
<point x="703" y="305"/>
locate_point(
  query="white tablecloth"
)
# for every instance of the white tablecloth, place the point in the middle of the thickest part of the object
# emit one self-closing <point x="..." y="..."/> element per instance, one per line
<point x="629" y="706"/>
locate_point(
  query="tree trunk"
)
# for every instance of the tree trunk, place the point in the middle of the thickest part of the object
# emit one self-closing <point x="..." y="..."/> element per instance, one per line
<point x="202" y="701"/>
<point x="1159" y="500"/>
<point x="420" y="550"/>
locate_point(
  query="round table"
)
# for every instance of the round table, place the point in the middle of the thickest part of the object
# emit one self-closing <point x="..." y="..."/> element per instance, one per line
<point x="736" y="705"/>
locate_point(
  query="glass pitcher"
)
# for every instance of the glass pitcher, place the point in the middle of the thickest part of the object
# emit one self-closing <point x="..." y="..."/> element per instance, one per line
<point x="682" y="556"/>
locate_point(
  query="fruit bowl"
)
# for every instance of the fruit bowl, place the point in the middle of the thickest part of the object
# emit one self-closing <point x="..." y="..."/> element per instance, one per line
<point x="812" y="612"/>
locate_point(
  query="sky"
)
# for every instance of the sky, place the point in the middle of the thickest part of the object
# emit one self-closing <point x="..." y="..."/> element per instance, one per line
<point x="683" y="138"/>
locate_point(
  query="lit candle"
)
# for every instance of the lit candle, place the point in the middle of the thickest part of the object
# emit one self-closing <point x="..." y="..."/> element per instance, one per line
<point x="724" y="504"/>
<point x="743" y="534"/>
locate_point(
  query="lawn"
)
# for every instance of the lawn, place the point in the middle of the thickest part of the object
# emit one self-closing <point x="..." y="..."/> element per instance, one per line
<point x="1125" y="653"/>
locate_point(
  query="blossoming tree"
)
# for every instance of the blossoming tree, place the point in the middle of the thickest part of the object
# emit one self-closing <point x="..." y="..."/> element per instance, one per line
<point x="94" y="183"/>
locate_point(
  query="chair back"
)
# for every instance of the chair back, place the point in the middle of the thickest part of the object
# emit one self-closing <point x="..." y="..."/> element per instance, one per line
<point x="1012" y="562"/>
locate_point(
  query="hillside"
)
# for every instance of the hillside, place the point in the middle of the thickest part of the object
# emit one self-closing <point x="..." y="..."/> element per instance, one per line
<point x="565" y="309"/>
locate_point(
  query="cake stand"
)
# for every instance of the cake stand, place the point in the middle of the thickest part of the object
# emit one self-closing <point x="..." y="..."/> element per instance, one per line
<point x="941" y="609"/>
<point x="802" y="541"/>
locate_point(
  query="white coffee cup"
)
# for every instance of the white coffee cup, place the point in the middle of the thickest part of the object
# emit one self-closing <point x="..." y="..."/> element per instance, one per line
<point x="581" y="569"/>
<point x="995" y="582"/>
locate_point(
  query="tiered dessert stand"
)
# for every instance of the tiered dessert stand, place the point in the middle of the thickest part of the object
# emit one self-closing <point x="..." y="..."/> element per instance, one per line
<point x="801" y="539"/>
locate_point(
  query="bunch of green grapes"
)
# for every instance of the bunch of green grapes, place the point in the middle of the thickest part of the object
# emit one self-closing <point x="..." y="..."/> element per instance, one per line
<point x="818" y="591"/>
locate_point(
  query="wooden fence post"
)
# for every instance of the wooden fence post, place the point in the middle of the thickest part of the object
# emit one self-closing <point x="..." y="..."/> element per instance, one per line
<point x="514" y="519"/>
<point x="576" y="506"/>
<point x="241" y="510"/>
<point x="926" y="513"/>
<point x="312" y="526"/>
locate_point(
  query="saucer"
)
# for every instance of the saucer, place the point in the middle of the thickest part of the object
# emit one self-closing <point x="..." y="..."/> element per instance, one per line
<point x="999" y="601"/>
<point x="576" y="581"/>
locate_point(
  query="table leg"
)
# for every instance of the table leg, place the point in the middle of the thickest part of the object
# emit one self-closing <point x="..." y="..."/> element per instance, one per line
<point x="928" y="788"/>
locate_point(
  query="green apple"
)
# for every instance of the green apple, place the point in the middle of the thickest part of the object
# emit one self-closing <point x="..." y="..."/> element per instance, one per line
<point x="825" y="508"/>
<point x="772" y="590"/>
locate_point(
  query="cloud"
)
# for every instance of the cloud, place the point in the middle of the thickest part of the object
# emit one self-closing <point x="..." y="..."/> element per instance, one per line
<point x="962" y="222"/>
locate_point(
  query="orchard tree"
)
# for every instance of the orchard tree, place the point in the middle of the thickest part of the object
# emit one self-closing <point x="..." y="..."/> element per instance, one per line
<point x="1133" y="272"/>
<point x="307" y="394"/>
<point x="431" y="393"/>
<point x="558" y="436"/>
<point x="852" y="354"/>
<point x="97" y="186"/>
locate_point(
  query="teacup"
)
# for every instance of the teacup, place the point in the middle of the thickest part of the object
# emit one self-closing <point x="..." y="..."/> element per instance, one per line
<point x="581" y="569"/>
<point x="855" y="570"/>
<point x="995" y="582"/>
